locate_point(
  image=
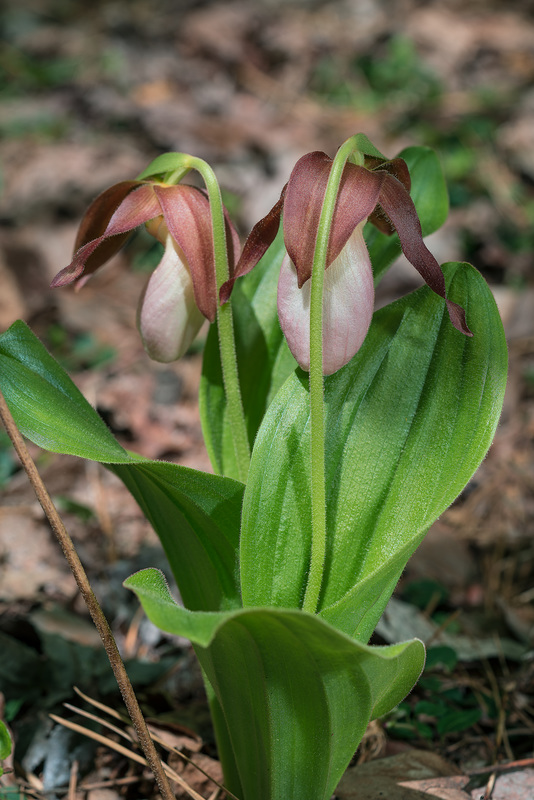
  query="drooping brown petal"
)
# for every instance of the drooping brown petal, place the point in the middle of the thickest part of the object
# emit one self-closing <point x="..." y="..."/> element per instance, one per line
<point x="380" y="220"/>
<point x="95" y="222"/>
<point x="258" y="242"/>
<point x="357" y="197"/>
<point x="399" y="207"/>
<point x="187" y="214"/>
<point x="96" y="218"/>
<point x="233" y="243"/>
<point x="399" y="169"/>
<point x="302" y="210"/>
<point x="137" y="207"/>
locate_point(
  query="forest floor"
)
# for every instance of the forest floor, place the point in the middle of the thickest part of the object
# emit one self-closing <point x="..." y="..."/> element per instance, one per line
<point x="89" y="95"/>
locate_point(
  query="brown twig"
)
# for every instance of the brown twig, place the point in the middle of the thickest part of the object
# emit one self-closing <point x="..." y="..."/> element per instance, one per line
<point x="507" y="766"/>
<point x="73" y="781"/>
<point x="100" y="621"/>
<point x="125" y="751"/>
<point x="154" y="735"/>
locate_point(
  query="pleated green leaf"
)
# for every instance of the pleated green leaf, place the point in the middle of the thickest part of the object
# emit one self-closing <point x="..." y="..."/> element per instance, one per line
<point x="296" y="694"/>
<point x="408" y="421"/>
<point x="196" y="515"/>
<point x="264" y="360"/>
<point x="47" y="406"/>
<point x="197" y="518"/>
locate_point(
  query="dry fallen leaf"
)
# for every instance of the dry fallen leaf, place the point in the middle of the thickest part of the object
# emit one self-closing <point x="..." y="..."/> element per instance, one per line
<point x="413" y="775"/>
<point x="447" y="788"/>
<point x="514" y="786"/>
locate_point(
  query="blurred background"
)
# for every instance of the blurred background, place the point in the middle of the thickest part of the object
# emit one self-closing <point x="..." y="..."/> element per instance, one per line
<point x="89" y="95"/>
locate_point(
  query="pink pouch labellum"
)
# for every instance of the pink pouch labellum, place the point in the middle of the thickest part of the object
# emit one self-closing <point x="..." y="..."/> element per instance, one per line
<point x="168" y="317"/>
<point x="348" y="302"/>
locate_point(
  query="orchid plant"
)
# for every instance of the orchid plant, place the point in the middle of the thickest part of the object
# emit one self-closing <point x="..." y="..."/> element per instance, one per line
<point x="337" y="436"/>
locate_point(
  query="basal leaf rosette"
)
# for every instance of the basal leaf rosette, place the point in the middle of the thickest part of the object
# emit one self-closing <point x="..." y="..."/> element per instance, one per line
<point x="296" y="694"/>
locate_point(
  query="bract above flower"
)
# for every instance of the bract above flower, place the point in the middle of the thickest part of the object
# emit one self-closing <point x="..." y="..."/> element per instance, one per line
<point x="379" y="193"/>
<point x="180" y="218"/>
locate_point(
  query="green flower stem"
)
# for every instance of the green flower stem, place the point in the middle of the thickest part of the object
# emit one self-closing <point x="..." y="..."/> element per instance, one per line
<point x="317" y="444"/>
<point x="225" y="323"/>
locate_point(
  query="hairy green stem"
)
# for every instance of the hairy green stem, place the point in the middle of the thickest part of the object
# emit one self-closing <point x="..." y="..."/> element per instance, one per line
<point x="98" y="617"/>
<point x="225" y="323"/>
<point x="317" y="434"/>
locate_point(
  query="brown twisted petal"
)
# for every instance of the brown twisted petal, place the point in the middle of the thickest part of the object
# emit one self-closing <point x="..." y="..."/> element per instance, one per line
<point x="187" y="214"/>
<point x="258" y="241"/>
<point x="137" y="207"/>
<point x="96" y="218"/>
<point x="301" y="202"/>
<point x="400" y="209"/>
<point x="95" y="222"/>
<point x="309" y="176"/>
<point x="399" y="169"/>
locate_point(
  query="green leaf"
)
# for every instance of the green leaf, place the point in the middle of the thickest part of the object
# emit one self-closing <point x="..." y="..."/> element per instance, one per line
<point x="264" y="360"/>
<point x="21" y="670"/>
<point x="197" y="518"/>
<point x="423" y="729"/>
<point x="429" y="189"/>
<point x="456" y="721"/>
<point x="12" y="793"/>
<point x="5" y="742"/>
<point x="47" y="406"/>
<point x="296" y="694"/>
<point x="430" y="709"/>
<point x="441" y="655"/>
<point x="196" y="515"/>
<point x="431" y="200"/>
<point x="408" y="421"/>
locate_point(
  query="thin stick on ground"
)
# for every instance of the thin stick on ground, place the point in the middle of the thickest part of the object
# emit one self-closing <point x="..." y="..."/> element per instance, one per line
<point x="100" y="621"/>
<point x="125" y="751"/>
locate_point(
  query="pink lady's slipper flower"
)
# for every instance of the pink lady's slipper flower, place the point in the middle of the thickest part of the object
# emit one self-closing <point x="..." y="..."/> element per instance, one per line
<point x="182" y="291"/>
<point x="378" y="192"/>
